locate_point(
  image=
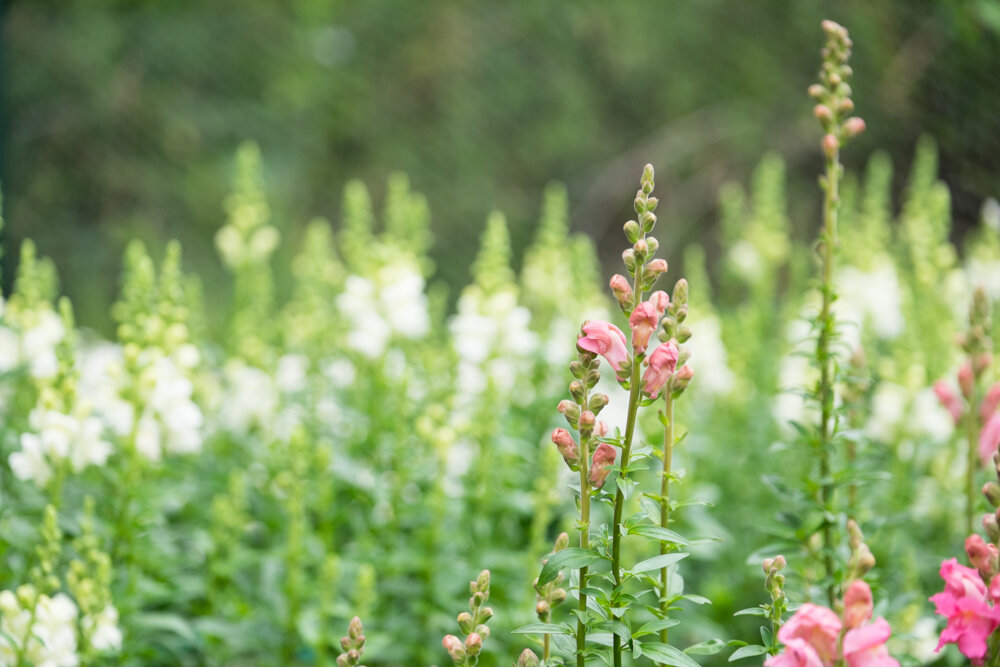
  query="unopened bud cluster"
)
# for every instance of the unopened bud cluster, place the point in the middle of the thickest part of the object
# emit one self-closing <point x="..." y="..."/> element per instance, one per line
<point x="774" y="582"/>
<point x="991" y="521"/>
<point x="353" y="645"/>
<point x="581" y="411"/>
<point x="833" y="92"/>
<point x="551" y="595"/>
<point x="472" y="624"/>
<point x="639" y="260"/>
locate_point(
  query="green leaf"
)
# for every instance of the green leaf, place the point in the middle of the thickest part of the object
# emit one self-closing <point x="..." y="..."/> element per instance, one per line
<point x="747" y="652"/>
<point x="668" y="655"/>
<point x="655" y="626"/>
<point x="658" y="533"/>
<point x="657" y="562"/>
<point x="572" y="558"/>
<point x="697" y="599"/>
<point x="709" y="647"/>
<point x="751" y="611"/>
<point x="171" y="623"/>
<point x="542" y="629"/>
<point x="614" y="627"/>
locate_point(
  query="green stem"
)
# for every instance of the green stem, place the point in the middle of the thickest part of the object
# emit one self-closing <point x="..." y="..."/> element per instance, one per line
<point x="971" y="426"/>
<point x="581" y="626"/>
<point x="668" y="452"/>
<point x="825" y="360"/>
<point x="616" y="539"/>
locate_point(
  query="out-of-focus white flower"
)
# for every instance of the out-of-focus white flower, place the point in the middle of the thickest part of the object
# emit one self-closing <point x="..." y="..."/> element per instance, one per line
<point x="340" y="372"/>
<point x="30" y="463"/>
<point x="171" y="421"/>
<point x="291" y="374"/>
<point x="746" y="260"/>
<point x="888" y="412"/>
<point x="985" y="274"/>
<point x="250" y="398"/>
<point x="102" y="377"/>
<point x="402" y="300"/>
<point x="38" y="344"/>
<point x="48" y="637"/>
<point x="392" y="303"/>
<point x="870" y="299"/>
<point x="929" y="418"/>
<point x="58" y="437"/>
<point x="103" y="630"/>
<point x="10" y="344"/>
<point x="709" y="358"/>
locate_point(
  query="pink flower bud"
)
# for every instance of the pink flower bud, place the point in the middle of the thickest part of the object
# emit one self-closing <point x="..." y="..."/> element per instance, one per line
<point x="983" y="556"/>
<point x="816" y="91"/>
<point x="768" y="564"/>
<point x="601" y="428"/>
<point x="621" y="288"/>
<point x="949" y="400"/>
<point x="567" y="446"/>
<point x="823" y="113"/>
<point x="454" y="646"/>
<point x="662" y="363"/>
<point x="605" y="339"/>
<point x="830" y="145"/>
<point x="853" y="126"/>
<point x="989" y="438"/>
<point x="966" y="380"/>
<point x="587" y="419"/>
<point x="857" y="604"/>
<point x="657" y="266"/>
<point x="990" y="403"/>
<point x="779" y="562"/>
<point x="604" y="457"/>
<point x="646" y="318"/>
<point x="641" y="247"/>
<point x="474" y="643"/>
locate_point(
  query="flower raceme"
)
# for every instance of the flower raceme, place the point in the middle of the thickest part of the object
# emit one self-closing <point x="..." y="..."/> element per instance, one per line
<point x="812" y="636"/>
<point x="969" y="606"/>
<point x="645" y="319"/>
<point x="605" y="339"/>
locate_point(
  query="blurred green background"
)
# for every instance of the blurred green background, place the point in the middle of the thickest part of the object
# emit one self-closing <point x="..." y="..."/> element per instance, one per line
<point x="121" y="118"/>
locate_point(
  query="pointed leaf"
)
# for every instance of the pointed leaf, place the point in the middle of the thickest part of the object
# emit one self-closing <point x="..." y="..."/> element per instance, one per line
<point x="656" y="562"/>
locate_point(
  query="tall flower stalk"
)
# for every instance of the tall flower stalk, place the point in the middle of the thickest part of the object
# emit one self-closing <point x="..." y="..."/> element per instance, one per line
<point x="833" y="110"/>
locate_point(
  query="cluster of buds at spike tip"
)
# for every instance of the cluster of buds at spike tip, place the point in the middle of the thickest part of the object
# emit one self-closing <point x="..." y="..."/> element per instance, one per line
<point x="642" y="267"/>
<point x="582" y="408"/>
<point x="472" y="624"/>
<point x="667" y="368"/>
<point x="977" y="345"/>
<point x="353" y="645"/>
<point x="861" y="560"/>
<point x="991" y="521"/>
<point x="774" y="582"/>
<point x="833" y="92"/>
<point x="551" y="595"/>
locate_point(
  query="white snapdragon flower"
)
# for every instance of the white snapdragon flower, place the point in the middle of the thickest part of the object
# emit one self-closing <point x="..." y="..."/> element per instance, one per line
<point x="102" y="377"/>
<point x="103" y="630"/>
<point x="58" y="437"/>
<point x="38" y="344"/>
<point x="402" y="300"/>
<point x="709" y="357"/>
<point x="870" y="299"/>
<point x="48" y="636"/>
<point x="171" y="421"/>
<point x="250" y="398"/>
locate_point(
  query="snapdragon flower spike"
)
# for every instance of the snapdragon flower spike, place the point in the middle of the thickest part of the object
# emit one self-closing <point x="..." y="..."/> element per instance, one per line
<point x="833" y="93"/>
<point x="353" y="645"/>
<point x="473" y="625"/>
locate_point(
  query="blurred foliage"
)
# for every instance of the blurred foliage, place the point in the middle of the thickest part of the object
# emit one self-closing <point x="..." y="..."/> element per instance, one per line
<point x="120" y="117"/>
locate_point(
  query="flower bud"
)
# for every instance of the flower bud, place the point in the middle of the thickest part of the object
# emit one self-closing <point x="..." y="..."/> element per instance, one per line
<point x="465" y="622"/>
<point x="992" y="492"/>
<point x="570" y="410"/>
<point x="779" y="562"/>
<point x="982" y="362"/>
<point x="483" y="631"/>
<point x="577" y="391"/>
<point x="567" y="446"/>
<point x="631" y="229"/>
<point x="846" y="105"/>
<point x="342" y="660"/>
<point x="345" y="643"/>
<point x="354" y="628"/>
<point x="682" y="378"/>
<point x="823" y="113"/>
<point x="587" y="420"/>
<point x="680" y="293"/>
<point x="528" y="659"/>
<point x="853" y="126"/>
<point x="622" y="290"/>
<point x="990" y="402"/>
<point x="485" y="614"/>
<point x="984" y="557"/>
<point x="647" y="179"/>
<point x="604" y="458"/>
<point x="474" y="643"/>
<point x="684" y="334"/>
<point x="542" y="609"/>
<point x="597" y="402"/>
<point x="966" y="381"/>
<point x="628" y="256"/>
<point x="855" y="536"/>
<point x="768" y="564"/>
<point x="483" y="582"/>
<point x="641" y="248"/>
<point x="991" y="527"/>
<point x="453" y="645"/>
<point x="830" y="145"/>
<point x="651" y="203"/>
<point x="562" y="541"/>
<point x="816" y="91"/>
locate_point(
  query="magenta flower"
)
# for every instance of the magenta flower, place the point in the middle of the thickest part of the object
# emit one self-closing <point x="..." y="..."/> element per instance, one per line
<point x="662" y="363"/>
<point x="605" y="339"/>
<point x="645" y="318"/>
<point x="971" y="620"/>
<point x="816" y="625"/>
<point x="865" y="646"/>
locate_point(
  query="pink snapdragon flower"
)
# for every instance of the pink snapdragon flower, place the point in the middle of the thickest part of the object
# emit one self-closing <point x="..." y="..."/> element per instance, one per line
<point x="971" y="619"/>
<point x="662" y="363"/>
<point x="984" y="557"/>
<point x="604" y="458"/>
<point x="865" y="646"/>
<point x="567" y="446"/>
<point x="812" y="636"/>
<point x="988" y="408"/>
<point x="605" y="339"/>
<point x="645" y="318"/>
<point x="816" y="625"/>
<point x="949" y="399"/>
